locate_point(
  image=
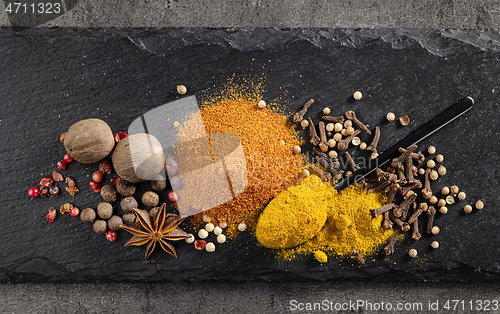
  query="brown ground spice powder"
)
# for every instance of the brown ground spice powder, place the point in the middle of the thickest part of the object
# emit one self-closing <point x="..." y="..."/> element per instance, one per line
<point x="267" y="140"/>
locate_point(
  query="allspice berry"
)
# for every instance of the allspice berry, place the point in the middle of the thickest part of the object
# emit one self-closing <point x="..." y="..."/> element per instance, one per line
<point x="88" y="215"/>
<point x="159" y="183"/>
<point x="412" y="253"/>
<point x="105" y="210"/>
<point x="176" y="183"/>
<point x="128" y="204"/>
<point x="125" y="188"/>
<point x="100" y="226"/>
<point x="181" y="89"/>
<point x="108" y="193"/>
<point x="150" y="199"/>
<point x="114" y="223"/>
<point x="128" y="218"/>
<point x="171" y="166"/>
<point x="154" y="211"/>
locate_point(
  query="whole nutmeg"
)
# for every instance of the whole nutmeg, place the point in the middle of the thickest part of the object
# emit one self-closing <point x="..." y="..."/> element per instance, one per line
<point x="159" y="183"/>
<point x="108" y="193"/>
<point x="125" y="188"/>
<point x="138" y="157"/>
<point x="88" y="141"/>
<point x="105" y="210"/>
<point x="154" y="211"/>
<point x="88" y="215"/>
<point x="128" y="204"/>
<point x="171" y="166"/>
<point x="150" y="199"/>
<point x="114" y="223"/>
<point x="176" y="183"/>
<point x="128" y="218"/>
<point x="100" y="226"/>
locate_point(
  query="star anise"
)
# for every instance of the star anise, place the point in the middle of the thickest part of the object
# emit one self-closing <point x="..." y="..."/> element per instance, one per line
<point x="161" y="229"/>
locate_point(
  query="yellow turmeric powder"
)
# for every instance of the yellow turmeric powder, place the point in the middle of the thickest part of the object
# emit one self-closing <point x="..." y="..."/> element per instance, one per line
<point x="349" y="223"/>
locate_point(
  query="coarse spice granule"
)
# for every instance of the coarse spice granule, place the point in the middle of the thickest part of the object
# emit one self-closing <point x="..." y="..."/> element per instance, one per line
<point x="267" y="140"/>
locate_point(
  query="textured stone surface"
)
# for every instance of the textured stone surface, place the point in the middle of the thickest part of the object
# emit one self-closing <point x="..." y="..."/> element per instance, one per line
<point x="289" y="13"/>
<point x="117" y="75"/>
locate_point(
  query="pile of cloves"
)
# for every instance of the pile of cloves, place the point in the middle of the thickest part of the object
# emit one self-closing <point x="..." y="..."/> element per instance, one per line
<point x="335" y="137"/>
<point x="398" y="177"/>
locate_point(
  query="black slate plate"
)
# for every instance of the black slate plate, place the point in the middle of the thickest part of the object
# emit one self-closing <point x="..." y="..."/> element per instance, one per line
<point x="51" y="78"/>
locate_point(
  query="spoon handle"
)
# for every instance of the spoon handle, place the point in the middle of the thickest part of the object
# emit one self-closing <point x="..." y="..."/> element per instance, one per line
<point x="415" y="137"/>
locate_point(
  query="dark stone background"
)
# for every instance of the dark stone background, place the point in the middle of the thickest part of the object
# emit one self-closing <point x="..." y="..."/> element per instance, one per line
<point x="55" y="77"/>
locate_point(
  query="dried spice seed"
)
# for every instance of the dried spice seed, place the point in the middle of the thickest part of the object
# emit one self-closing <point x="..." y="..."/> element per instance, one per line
<point x="51" y="215"/>
<point x="74" y="212"/>
<point x="200" y="244"/>
<point x="441" y="170"/>
<point x="105" y="167"/>
<point x="95" y="186"/>
<point x="57" y="176"/>
<point x="100" y="226"/>
<point x="338" y="127"/>
<point x="217" y="230"/>
<point x="412" y="253"/>
<point x="333" y="154"/>
<point x="209" y="227"/>
<point x="443" y="210"/>
<point x="391" y="116"/>
<point x="190" y="239"/>
<point x="304" y="123"/>
<point x="53" y="190"/>
<point x="66" y="208"/>
<point x="296" y="150"/>
<point x="405" y="120"/>
<point x="330" y="127"/>
<point x="97" y="176"/>
<point x="67" y="158"/>
<point x="111" y="235"/>
<point x="326" y="111"/>
<point x="434" y="175"/>
<point x="202" y="234"/>
<point x="150" y="199"/>
<point x="431" y="164"/>
<point x="181" y="89"/>
<point x="62" y="137"/>
<point x="210" y="247"/>
<point x="61" y="165"/>
<point x="431" y="150"/>
<point x="467" y="209"/>
<point x="46" y="182"/>
<point x="172" y="196"/>
<point x="70" y="182"/>
<point x="439" y="158"/>
<point x="108" y="193"/>
<point x="450" y="199"/>
<point x="421" y="171"/>
<point x="88" y="215"/>
<point x="221" y="238"/>
<point x="479" y="204"/>
<point x="461" y="196"/>
<point x="454" y="190"/>
<point x="363" y="145"/>
<point x="445" y="190"/>
<point x="357" y="95"/>
<point x="105" y="210"/>
<point x="435" y="244"/>
<point x="435" y="230"/>
<point x="261" y="104"/>
<point x="33" y="192"/>
<point x="120" y="136"/>
<point x="242" y="227"/>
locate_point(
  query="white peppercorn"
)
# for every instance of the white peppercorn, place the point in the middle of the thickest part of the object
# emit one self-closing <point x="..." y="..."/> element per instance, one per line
<point x="439" y="158"/>
<point x="479" y="204"/>
<point x="261" y="104"/>
<point x="217" y="230"/>
<point x="461" y="196"/>
<point x="468" y="209"/>
<point x="203" y="234"/>
<point x="431" y="164"/>
<point x="435" y="230"/>
<point x="434" y="175"/>
<point x="363" y="145"/>
<point x="333" y="154"/>
<point x="209" y="227"/>
<point x="326" y="111"/>
<point x="391" y="116"/>
<point x="357" y="95"/>
<point x="338" y="127"/>
<point x="210" y="247"/>
<point x="242" y="227"/>
<point x="221" y="238"/>
<point x="435" y="244"/>
<point x="190" y="239"/>
<point x="297" y="150"/>
<point x="304" y="123"/>
<point x="332" y="143"/>
<point x="441" y="170"/>
<point x="412" y="253"/>
<point x="443" y="210"/>
<point x="445" y="190"/>
<point x="181" y="89"/>
<point x="329" y="127"/>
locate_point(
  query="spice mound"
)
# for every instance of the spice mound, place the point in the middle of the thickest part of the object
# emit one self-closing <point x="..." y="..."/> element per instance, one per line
<point x="349" y="224"/>
<point x="293" y="217"/>
<point x="267" y="142"/>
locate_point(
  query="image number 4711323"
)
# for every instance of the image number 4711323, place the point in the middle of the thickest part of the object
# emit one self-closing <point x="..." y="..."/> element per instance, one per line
<point x="30" y="13"/>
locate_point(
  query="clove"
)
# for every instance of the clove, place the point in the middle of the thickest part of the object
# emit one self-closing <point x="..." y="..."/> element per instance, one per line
<point x="398" y="162"/>
<point x="378" y="176"/>
<point x="300" y="114"/>
<point x="431" y="212"/>
<point x="392" y="194"/>
<point x="321" y="154"/>
<point x="417" y="156"/>
<point x="343" y="144"/>
<point x="409" y="170"/>
<point x="336" y="174"/>
<point x="334" y="119"/>
<point x="325" y="176"/>
<point x="355" y="255"/>
<point x="351" y="115"/>
<point x="323" y="145"/>
<point x="407" y="188"/>
<point x="389" y="248"/>
<point x="381" y="186"/>
<point x="373" y="145"/>
<point x="402" y="209"/>
<point x="421" y="208"/>
<point x="426" y="191"/>
<point x="380" y="210"/>
<point x="387" y="223"/>
<point x="415" y="234"/>
<point x="354" y="167"/>
<point x="312" y="132"/>
<point x="402" y="225"/>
